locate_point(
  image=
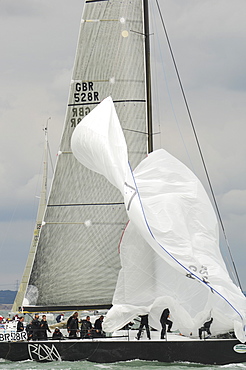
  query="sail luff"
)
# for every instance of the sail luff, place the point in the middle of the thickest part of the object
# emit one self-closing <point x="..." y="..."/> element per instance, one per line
<point x="18" y="302"/>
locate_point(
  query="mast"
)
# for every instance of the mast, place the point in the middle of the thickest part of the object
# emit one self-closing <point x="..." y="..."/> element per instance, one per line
<point x="148" y="75"/>
<point x="41" y="209"/>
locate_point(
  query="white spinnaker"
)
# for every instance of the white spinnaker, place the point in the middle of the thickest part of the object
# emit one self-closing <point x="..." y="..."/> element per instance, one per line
<point x="169" y="211"/>
<point x="101" y="128"/>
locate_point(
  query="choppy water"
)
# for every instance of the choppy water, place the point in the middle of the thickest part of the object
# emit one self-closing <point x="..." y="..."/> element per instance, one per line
<point x="128" y="365"/>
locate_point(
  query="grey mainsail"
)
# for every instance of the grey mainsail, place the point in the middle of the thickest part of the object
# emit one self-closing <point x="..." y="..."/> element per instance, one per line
<point x="77" y="262"/>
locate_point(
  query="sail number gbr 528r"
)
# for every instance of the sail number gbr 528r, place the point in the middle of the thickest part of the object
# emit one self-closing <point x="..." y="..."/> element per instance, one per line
<point x="84" y="93"/>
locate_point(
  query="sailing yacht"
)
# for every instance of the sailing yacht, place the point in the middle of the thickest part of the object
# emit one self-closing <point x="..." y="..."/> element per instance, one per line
<point x="88" y="256"/>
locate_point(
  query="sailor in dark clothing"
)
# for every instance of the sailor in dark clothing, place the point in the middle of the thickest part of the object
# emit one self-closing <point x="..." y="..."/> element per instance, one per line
<point x="20" y="325"/>
<point x="144" y="322"/>
<point x="86" y="328"/>
<point x="59" y="318"/>
<point x="165" y="321"/>
<point x="29" y="331"/>
<point x="98" y="327"/>
<point x="36" y="327"/>
<point x="44" y="328"/>
<point x="73" y="325"/>
<point x="127" y="326"/>
<point x="57" y="334"/>
<point x="205" y="327"/>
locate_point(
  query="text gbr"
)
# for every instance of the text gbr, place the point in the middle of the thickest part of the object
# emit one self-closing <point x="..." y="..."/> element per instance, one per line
<point x="84" y="93"/>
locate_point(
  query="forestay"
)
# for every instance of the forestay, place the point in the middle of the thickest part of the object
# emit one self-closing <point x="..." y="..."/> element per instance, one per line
<point x="170" y="250"/>
<point x="77" y="260"/>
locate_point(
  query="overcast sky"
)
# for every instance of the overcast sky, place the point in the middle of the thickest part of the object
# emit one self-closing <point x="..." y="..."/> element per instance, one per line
<point x="38" y="42"/>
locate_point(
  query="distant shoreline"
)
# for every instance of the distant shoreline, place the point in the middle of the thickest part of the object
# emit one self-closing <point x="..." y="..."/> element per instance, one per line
<point x="5" y="306"/>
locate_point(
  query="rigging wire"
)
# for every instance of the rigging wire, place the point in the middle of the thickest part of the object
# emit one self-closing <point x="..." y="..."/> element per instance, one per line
<point x="198" y="143"/>
<point x="50" y="158"/>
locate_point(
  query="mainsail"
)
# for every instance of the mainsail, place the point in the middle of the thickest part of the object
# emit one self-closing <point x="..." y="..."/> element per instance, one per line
<point x="77" y="261"/>
<point x="170" y="251"/>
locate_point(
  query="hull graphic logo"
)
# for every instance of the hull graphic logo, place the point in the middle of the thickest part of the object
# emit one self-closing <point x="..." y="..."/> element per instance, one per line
<point x="42" y="352"/>
<point x="240" y="348"/>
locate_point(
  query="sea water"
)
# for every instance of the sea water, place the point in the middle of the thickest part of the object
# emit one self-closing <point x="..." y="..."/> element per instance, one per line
<point x="127" y="365"/>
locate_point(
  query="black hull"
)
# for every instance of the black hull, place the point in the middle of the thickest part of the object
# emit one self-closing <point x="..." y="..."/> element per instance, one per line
<point x="217" y="352"/>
